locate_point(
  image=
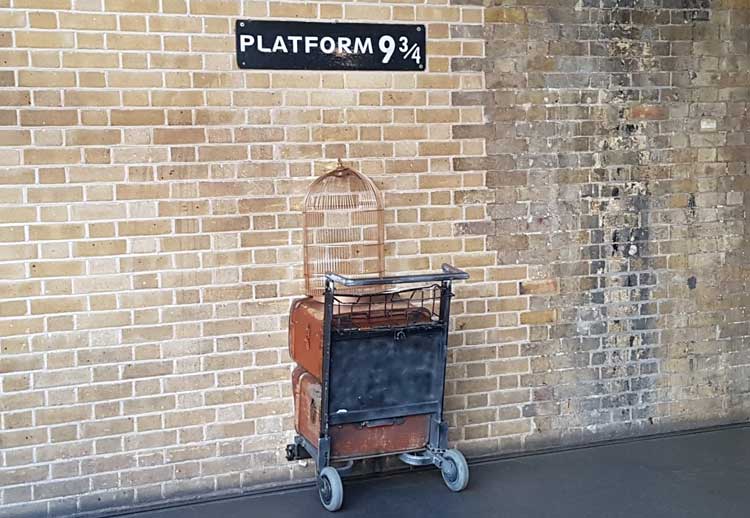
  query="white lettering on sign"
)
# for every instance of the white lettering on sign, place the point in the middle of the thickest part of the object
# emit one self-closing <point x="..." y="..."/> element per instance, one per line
<point x="295" y="42"/>
<point x="280" y="46"/>
<point x="363" y="46"/>
<point x="310" y="43"/>
<point x="345" y="44"/>
<point x="387" y="45"/>
<point x="246" y="41"/>
<point x="292" y="45"/>
<point x="326" y="44"/>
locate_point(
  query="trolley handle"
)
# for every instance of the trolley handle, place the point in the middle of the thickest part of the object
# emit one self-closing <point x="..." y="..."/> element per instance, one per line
<point x="450" y="273"/>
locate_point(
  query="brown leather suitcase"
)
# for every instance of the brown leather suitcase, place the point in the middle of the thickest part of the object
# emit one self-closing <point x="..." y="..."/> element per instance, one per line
<point x="354" y="440"/>
<point x="306" y="326"/>
<point x="306" y="335"/>
<point x="307" y="392"/>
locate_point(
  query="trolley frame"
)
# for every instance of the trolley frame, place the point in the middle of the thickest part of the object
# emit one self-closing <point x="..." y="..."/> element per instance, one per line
<point x="423" y="396"/>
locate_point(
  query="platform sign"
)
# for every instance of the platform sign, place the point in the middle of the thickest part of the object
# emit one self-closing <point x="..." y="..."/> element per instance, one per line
<point x="287" y="45"/>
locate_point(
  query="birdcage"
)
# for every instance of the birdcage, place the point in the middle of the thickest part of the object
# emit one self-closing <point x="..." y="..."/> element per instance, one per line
<point x="343" y="228"/>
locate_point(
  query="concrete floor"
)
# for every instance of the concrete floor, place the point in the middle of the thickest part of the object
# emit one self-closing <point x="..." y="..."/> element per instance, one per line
<point x="699" y="475"/>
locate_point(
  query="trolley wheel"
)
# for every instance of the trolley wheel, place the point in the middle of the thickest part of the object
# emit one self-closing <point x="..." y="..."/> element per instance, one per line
<point x="455" y="470"/>
<point x="330" y="489"/>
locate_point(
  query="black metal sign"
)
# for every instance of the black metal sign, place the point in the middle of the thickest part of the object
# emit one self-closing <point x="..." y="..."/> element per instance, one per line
<point x="283" y="45"/>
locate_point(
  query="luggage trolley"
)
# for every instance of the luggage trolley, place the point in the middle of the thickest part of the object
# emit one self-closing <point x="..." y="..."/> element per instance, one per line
<point x="383" y="378"/>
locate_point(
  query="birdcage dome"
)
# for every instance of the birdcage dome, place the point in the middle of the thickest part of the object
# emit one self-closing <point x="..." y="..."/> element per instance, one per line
<point x="343" y="228"/>
<point x="343" y="189"/>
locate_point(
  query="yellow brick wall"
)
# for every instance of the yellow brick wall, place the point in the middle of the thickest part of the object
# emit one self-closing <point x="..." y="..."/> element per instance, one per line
<point x="150" y="237"/>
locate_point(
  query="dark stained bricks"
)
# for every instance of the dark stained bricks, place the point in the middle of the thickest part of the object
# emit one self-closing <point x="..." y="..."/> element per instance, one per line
<point x="618" y="163"/>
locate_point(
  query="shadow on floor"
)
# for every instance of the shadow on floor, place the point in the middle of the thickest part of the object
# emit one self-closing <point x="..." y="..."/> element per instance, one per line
<point x="700" y="475"/>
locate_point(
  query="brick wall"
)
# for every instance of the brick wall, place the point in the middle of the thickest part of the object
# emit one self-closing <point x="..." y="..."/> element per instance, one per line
<point x="618" y="143"/>
<point x="590" y="173"/>
<point x="151" y="241"/>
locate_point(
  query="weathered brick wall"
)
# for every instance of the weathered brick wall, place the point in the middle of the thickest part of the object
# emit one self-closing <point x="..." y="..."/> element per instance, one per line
<point x="591" y="174"/>
<point x="618" y="142"/>
<point x="150" y="228"/>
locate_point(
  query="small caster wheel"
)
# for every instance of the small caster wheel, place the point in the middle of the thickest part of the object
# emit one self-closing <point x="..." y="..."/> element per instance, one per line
<point x="455" y="470"/>
<point x="291" y="452"/>
<point x="296" y="452"/>
<point x="330" y="489"/>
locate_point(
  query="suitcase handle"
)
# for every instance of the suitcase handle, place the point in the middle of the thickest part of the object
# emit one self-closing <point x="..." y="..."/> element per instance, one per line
<point x="382" y="422"/>
<point x="450" y="273"/>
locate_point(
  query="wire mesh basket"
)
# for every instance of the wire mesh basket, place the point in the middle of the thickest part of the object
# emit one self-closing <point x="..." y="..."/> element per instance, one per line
<point x="343" y="229"/>
<point x="396" y="308"/>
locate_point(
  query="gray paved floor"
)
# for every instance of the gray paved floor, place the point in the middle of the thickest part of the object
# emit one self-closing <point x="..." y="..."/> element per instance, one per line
<point x="700" y="475"/>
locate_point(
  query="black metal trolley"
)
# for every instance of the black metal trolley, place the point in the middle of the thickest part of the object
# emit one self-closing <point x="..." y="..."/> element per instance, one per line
<point x="384" y="372"/>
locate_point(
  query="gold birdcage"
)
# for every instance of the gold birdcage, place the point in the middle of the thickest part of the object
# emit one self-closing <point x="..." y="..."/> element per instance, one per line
<point x="343" y="228"/>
